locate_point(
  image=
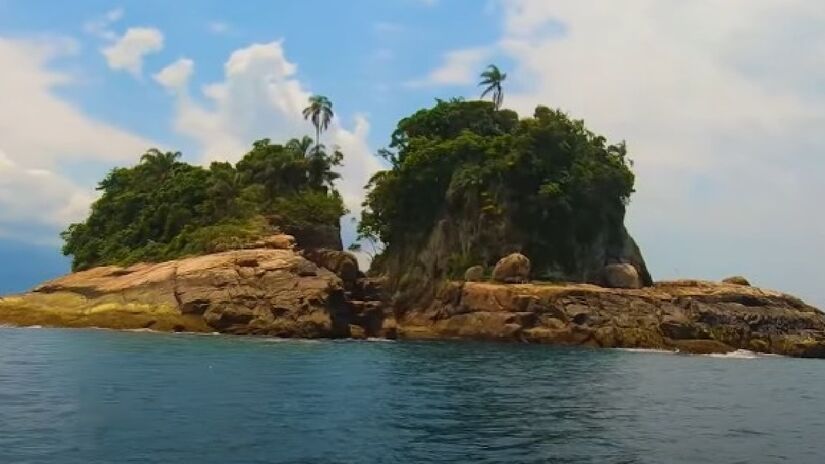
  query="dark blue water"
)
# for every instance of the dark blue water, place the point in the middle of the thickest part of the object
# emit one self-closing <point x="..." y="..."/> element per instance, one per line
<point x="87" y="396"/>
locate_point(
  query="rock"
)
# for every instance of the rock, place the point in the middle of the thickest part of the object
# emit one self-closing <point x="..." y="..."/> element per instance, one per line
<point x="341" y="263"/>
<point x="261" y="291"/>
<point x="690" y="316"/>
<point x="513" y="268"/>
<point x="621" y="275"/>
<point x="279" y="242"/>
<point x="474" y="274"/>
<point x="357" y="332"/>
<point x="737" y="280"/>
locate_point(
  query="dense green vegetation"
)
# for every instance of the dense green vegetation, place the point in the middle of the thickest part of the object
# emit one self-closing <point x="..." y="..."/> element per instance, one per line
<point x="163" y="208"/>
<point x="545" y="182"/>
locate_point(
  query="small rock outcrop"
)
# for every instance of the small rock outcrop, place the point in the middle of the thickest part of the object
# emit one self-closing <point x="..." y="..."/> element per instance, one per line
<point x="474" y="274"/>
<point x="689" y="316"/>
<point x="511" y="269"/>
<point x="737" y="280"/>
<point x="621" y="275"/>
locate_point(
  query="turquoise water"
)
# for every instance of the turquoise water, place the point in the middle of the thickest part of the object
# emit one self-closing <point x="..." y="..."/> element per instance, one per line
<point x="89" y="396"/>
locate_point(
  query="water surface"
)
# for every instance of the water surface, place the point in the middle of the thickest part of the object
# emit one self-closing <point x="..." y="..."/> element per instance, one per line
<point x="88" y="396"/>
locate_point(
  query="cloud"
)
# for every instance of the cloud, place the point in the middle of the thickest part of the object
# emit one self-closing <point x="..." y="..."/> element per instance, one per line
<point x="101" y="26"/>
<point x="721" y="114"/>
<point x="127" y="52"/>
<point x="218" y="27"/>
<point x="458" y="67"/>
<point x="40" y="132"/>
<point x="261" y="96"/>
<point x="175" y="76"/>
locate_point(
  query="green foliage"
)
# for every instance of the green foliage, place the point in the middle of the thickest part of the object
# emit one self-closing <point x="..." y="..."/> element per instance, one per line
<point x="491" y="80"/>
<point x="549" y="177"/>
<point x="163" y="208"/>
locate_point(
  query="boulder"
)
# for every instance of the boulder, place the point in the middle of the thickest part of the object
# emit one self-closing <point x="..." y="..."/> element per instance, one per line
<point x="279" y="242"/>
<point x="621" y="275"/>
<point x="737" y="280"/>
<point x="342" y="263"/>
<point x="474" y="274"/>
<point x="513" y="268"/>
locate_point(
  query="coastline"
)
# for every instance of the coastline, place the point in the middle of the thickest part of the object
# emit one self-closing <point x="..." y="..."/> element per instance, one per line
<point x="281" y="293"/>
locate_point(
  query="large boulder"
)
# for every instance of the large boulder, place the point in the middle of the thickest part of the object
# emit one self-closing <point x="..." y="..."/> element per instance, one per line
<point x="737" y="280"/>
<point x="341" y="263"/>
<point x="621" y="275"/>
<point x="513" y="268"/>
<point x="474" y="274"/>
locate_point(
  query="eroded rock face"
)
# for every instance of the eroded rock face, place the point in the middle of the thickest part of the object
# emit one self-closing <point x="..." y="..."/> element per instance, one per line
<point x="513" y="268"/>
<point x="263" y="291"/>
<point x="341" y="263"/>
<point x="692" y="316"/>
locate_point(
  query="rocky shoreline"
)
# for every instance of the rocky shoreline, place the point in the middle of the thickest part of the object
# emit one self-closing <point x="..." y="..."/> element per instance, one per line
<point x="321" y="294"/>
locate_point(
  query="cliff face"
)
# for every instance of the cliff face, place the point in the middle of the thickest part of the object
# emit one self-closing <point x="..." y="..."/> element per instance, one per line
<point x="464" y="237"/>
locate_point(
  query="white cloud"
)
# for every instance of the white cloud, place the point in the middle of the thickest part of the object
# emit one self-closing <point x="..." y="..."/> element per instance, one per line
<point x="101" y="26"/>
<point x="261" y="96"/>
<point x="218" y="27"/>
<point x="721" y="112"/>
<point x="458" y="67"/>
<point x="175" y="76"/>
<point x="127" y="52"/>
<point x="38" y="133"/>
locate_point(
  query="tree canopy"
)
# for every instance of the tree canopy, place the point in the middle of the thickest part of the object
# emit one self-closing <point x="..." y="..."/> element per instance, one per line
<point x="163" y="208"/>
<point x="553" y="180"/>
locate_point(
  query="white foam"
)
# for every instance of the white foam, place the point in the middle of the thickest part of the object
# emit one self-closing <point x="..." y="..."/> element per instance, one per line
<point x="736" y="354"/>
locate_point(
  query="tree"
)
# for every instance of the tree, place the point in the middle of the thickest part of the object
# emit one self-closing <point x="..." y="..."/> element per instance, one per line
<point x="320" y="113"/>
<point x="301" y="148"/>
<point x="491" y="79"/>
<point x="158" y="163"/>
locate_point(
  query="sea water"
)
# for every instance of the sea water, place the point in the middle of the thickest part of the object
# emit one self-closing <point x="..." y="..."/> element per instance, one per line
<point x="95" y="396"/>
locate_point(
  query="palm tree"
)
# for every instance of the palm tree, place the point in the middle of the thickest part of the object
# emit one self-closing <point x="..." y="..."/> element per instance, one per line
<point x="320" y="113"/>
<point x="301" y="148"/>
<point x="492" y="79"/>
<point x="159" y="163"/>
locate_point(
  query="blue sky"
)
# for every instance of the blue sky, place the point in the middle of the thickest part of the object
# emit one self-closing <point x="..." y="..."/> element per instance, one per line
<point x="721" y="103"/>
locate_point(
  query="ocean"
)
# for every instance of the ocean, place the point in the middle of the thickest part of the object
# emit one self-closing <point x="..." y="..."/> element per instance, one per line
<point x="97" y="396"/>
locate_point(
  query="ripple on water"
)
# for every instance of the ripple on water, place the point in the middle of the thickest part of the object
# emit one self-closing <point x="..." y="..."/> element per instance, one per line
<point x="104" y="396"/>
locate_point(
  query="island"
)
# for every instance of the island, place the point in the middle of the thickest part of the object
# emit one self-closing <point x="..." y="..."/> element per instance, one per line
<point x="485" y="226"/>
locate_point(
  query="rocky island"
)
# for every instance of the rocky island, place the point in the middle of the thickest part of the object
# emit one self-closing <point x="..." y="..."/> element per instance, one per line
<point x="489" y="227"/>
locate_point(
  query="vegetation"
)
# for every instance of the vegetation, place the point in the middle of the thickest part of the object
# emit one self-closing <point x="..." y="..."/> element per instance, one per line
<point x="320" y="113"/>
<point x="163" y="208"/>
<point x="545" y="182"/>
<point x="491" y="80"/>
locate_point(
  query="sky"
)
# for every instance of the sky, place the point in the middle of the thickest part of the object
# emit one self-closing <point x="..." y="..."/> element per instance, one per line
<point x="721" y="103"/>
